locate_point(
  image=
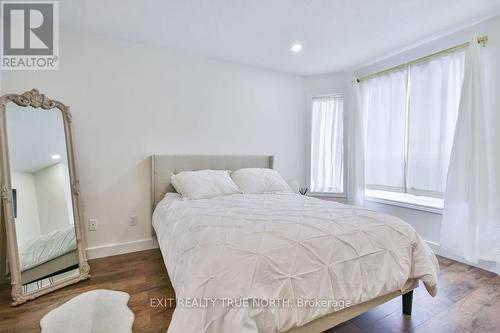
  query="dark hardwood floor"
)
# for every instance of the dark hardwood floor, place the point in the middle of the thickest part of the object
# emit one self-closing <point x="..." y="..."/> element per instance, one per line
<point x="468" y="300"/>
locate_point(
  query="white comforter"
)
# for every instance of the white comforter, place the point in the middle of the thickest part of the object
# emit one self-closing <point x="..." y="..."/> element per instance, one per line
<point x="224" y="253"/>
<point x="49" y="246"/>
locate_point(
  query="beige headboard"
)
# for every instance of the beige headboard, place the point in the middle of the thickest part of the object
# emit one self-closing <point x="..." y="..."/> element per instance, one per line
<point x="164" y="166"/>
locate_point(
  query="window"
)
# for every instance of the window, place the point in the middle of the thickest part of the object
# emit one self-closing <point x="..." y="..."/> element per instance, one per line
<point x="327" y="144"/>
<point x="385" y="136"/>
<point x="411" y="117"/>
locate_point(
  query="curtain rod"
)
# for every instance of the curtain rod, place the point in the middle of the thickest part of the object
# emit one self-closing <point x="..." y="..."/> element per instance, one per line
<point x="481" y="40"/>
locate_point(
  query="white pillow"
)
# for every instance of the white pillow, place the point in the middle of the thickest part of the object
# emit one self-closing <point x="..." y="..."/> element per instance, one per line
<point x="204" y="184"/>
<point x="257" y="180"/>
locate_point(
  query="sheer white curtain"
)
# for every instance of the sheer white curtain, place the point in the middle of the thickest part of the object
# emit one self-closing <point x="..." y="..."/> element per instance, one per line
<point x="327" y="144"/>
<point x="356" y="148"/>
<point x="384" y="102"/>
<point x="470" y="225"/>
<point x="434" y="96"/>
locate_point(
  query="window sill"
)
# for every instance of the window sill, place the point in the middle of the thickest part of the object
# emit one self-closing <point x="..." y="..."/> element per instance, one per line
<point x="327" y="195"/>
<point x="427" y="204"/>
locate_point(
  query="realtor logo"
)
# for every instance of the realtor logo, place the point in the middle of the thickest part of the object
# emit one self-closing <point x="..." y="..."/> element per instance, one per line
<point x="30" y="35"/>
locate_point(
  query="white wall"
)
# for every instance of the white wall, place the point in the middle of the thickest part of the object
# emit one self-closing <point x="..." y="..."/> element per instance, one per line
<point x="427" y="224"/>
<point x="130" y="101"/>
<point x="27" y="221"/>
<point x="51" y="183"/>
<point x="328" y="83"/>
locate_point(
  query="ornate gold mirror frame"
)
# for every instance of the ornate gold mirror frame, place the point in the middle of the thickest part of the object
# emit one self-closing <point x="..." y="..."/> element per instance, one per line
<point x="36" y="100"/>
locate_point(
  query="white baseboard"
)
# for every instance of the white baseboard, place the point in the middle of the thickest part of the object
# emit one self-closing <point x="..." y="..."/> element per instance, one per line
<point x="486" y="265"/>
<point x="121" y="248"/>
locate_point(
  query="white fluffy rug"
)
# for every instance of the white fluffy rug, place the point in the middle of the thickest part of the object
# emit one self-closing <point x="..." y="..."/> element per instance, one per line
<point x="93" y="311"/>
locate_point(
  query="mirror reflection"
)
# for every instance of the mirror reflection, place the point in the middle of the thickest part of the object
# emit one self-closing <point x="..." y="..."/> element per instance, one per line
<point x="43" y="209"/>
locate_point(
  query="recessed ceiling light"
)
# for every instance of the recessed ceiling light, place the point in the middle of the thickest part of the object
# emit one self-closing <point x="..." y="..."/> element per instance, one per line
<point x="296" y="48"/>
<point x="55" y="157"/>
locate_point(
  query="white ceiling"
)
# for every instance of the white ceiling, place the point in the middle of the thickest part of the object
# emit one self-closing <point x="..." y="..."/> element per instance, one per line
<point x="337" y="35"/>
<point x="34" y="135"/>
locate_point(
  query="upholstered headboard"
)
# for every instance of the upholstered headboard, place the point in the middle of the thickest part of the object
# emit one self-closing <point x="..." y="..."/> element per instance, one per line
<point x="164" y="166"/>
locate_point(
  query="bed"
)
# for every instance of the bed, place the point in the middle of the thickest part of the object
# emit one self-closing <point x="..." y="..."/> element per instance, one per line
<point x="48" y="255"/>
<point x="278" y="262"/>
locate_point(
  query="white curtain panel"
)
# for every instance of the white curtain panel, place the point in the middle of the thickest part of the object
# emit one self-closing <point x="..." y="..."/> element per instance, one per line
<point x="384" y="102"/>
<point x="434" y="96"/>
<point x="470" y="224"/>
<point x="356" y="148"/>
<point x="327" y="144"/>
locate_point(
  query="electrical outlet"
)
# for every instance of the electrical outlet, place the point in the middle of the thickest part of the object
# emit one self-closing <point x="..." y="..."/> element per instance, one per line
<point x="133" y="220"/>
<point x="92" y="224"/>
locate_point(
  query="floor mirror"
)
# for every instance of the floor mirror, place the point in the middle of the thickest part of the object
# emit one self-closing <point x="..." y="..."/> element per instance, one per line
<point x="39" y="192"/>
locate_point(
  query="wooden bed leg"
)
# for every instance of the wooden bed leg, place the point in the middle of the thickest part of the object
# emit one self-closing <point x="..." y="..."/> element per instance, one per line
<point x="407" y="302"/>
